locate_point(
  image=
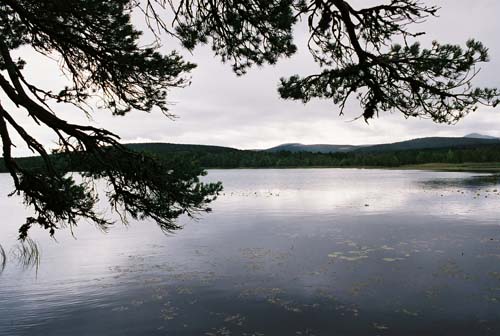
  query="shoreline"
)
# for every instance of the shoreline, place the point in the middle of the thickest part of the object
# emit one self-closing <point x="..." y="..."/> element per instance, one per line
<point x="487" y="167"/>
<point x="493" y="167"/>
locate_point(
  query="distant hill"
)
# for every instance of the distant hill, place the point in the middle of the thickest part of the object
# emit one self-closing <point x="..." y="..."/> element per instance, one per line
<point x="163" y="148"/>
<point x="470" y="140"/>
<point x="473" y="139"/>
<point x="430" y="143"/>
<point x="320" y="148"/>
<point x="412" y="152"/>
<point x="480" y="136"/>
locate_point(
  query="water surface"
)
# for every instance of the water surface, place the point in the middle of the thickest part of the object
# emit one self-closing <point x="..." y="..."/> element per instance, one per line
<point x="285" y="252"/>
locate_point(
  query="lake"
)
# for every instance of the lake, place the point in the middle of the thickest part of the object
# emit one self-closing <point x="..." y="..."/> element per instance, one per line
<point x="285" y="252"/>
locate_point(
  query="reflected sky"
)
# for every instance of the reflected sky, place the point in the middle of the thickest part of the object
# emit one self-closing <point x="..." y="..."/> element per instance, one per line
<point x="285" y="252"/>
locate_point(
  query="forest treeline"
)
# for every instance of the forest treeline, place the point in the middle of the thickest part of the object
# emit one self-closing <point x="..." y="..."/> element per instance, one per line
<point x="262" y="159"/>
<point x="223" y="157"/>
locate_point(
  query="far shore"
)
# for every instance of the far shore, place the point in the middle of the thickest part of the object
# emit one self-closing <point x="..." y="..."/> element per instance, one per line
<point x="488" y="167"/>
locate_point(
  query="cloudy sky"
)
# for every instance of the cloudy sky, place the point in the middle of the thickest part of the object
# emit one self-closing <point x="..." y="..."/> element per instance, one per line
<point x="246" y="112"/>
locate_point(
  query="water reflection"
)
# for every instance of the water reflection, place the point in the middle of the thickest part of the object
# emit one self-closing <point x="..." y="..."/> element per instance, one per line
<point x="3" y="259"/>
<point x="286" y="252"/>
<point x="469" y="182"/>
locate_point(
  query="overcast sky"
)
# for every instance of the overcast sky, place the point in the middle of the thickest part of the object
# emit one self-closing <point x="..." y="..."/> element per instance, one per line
<point x="246" y="112"/>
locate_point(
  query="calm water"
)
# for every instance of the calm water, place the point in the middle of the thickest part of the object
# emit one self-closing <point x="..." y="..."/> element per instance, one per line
<point x="286" y="252"/>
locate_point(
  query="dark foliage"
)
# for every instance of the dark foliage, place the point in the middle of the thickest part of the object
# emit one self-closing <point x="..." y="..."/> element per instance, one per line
<point x="354" y="46"/>
<point x="99" y="50"/>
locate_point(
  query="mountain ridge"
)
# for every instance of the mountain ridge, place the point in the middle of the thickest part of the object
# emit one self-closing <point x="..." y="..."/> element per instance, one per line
<point x="479" y="136"/>
<point x="316" y="148"/>
<point x="418" y="143"/>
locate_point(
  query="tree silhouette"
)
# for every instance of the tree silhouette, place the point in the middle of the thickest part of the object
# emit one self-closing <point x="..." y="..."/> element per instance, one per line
<point x="354" y="47"/>
<point x="98" y="49"/>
